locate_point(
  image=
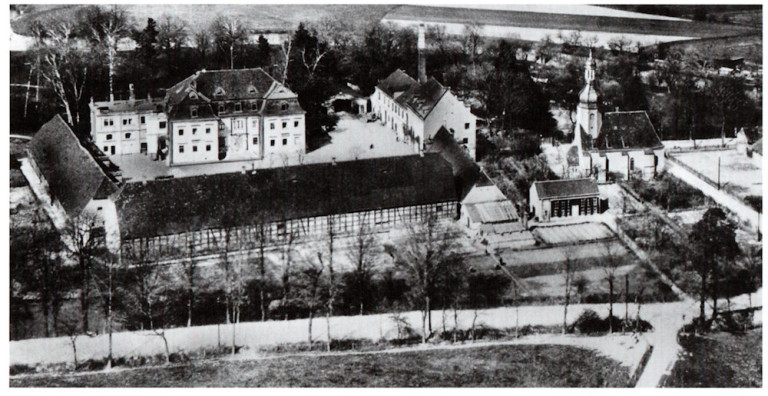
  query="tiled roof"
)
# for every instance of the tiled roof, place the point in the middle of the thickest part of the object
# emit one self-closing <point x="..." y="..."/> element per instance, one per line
<point x="565" y="188"/>
<point x="162" y="207"/>
<point x="398" y="81"/>
<point x="73" y="175"/>
<point x="465" y="170"/>
<point x="422" y="98"/>
<point x="479" y="194"/>
<point x="623" y="130"/>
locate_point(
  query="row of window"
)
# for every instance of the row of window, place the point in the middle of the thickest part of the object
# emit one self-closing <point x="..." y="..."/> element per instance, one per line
<point x="284" y="124"/>
<point x="194" y="148"/>
<point x="126" y="121"/>
<point x="194" y="131"/>
<point x="127" y="136"/>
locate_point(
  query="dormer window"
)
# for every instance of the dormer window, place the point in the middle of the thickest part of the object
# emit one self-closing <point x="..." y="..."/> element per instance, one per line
<point x="193" y="111"/>
<point x="193" y="96"/>
<point x="251" y="90"/>
<point x="254" y="106"/>
<point x="222" y="108"/>
<point x="219" y="91"/>
<point x="238" y="107"/>
<point x="284" y="106"/>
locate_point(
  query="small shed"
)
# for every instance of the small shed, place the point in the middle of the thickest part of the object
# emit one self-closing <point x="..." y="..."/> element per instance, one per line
<point x="564" y="198"/>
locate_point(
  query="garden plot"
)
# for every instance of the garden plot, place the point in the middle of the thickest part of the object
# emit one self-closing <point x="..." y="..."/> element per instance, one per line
<point x="739" y="174"/>
<point x="573" y="233"/>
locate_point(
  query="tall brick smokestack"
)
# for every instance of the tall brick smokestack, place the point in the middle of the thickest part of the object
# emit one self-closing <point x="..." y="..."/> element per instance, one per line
<point x="422" y="47"/>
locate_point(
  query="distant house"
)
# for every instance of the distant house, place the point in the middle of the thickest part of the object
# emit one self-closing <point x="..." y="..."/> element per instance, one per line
<point x="564" y="198"/>
<point x="416" y="110"/>
<point x="620" y="142"/>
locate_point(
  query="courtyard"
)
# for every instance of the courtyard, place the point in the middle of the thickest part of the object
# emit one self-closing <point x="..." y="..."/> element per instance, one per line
<point x="353" y="138"/>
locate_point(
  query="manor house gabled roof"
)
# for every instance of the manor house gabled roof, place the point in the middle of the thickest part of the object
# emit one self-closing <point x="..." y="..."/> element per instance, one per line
<point x="163" y="207"/>
<point x="422" y="98"/>
<point x="398" y="81"/>
<point x="76" y="172"/>
<point x="626" y="130"/>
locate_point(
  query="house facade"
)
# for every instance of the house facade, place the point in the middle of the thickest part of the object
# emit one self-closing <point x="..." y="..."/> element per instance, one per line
<point x="563" y="198"/>
<point x="416" y="110"/>
<point x="615" y="144"/>
<point x="211" y="116"/>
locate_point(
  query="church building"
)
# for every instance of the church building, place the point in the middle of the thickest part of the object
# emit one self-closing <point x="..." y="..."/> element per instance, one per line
<point x="620" y="143"/>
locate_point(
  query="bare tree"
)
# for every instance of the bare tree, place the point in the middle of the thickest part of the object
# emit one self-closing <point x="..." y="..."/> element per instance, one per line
<point x="332" y="279"/>
<point x="230" y="35"/>
<point x="63" y="66"/>
<point x="81" y="234"/>
<point x="189" y="276"/>
<point x="172" y="34"/>
<point x="202" y="44"/>
<point x="474" y="40"/>
<point x="285" y="50"/>
<point x="310" y="288"/>
<point x="421" y="258"/>
<point x="568" y="270"/>
<point x="610" y="265"/>
<point x="107" y="28"/>
<point x="42" y="252"/>
<point x="150" y="294"/>
<point x="260" y="241"/>
<point x="69" y="325"/>
<point x="286" y="256"/>
<point x="362" y="255"/>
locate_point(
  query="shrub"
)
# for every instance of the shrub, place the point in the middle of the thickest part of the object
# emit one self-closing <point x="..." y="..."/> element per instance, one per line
<point x="17" y="369"/>
<point x="589" y="322"/>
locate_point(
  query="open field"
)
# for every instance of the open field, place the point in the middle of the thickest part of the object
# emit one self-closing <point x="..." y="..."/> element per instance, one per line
<point x="261" y="17"/>
<point x="739" y="174"/>
<point x="748" y="46"/>
<point x="492" y="366"/>
<point x="721" y="360"/>
<point x="565" y="21"/>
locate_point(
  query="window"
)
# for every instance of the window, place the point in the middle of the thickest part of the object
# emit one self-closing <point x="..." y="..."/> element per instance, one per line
<point x="193" y="112"/>
<point x="194" y="131"/>
<point x="254" y="106"/>
<point x="126" y="121"/>
<point x="106" y="122"/>
<point x="181" y="149"/>
<point x="285" y="124"/>
<point x="272" y="142"/>
<point x="238" y="107"/>
<point x="162" y="124"/>
<point x="207" y="130"/>
<point x="222" y="109"/>
<point x="181" y="132"/>
<point x="254" y="123"/>
<point x="109" y="136"/>
<point x="194" y="149"/>
<point x="127" y="135"/>
<point x="284" y="106"/>
<point x="106" y="149"/>
<point x="466" y="125"/>
<point x="143" y="120"/>
<point x="465" y="140"/>
<point x="271" y="125"/>
<point x="207" y="147"/>
<point x="285" y="142"/>
<point x="296" y="139"/>
<point x="255" y="141"/>
<point x="295" y="124"/>
<point x="111" y="122"/>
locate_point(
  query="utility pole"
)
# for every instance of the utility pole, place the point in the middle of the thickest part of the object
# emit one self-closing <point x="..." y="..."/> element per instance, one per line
<point x="718" y="172"/>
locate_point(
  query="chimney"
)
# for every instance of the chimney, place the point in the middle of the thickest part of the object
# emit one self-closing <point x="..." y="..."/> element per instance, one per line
<point x="111" y="97"/>
<point x="131" y="94"/>
<point x="422" y="47"/>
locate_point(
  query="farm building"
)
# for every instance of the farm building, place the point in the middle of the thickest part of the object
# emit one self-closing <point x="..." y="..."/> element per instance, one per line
<point x="416" y="110"/>
<point x="168" y="215"/>
<point x="484" y="208"/>
<point x="564" y="198"/>
<point x="619" y="142"/>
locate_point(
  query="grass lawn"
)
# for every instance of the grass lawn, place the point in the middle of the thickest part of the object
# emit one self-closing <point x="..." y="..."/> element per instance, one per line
<point x="721" y="360"/>
<point x="493" y="366"/>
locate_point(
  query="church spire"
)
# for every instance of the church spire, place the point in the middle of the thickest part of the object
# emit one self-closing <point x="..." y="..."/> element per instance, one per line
<point x="589" y="71"/>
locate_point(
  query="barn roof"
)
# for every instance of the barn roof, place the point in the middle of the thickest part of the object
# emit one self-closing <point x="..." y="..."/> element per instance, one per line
<point x="622" y="130"/>
<point x="565" y="188"/>
<point x="76" y="172"/>
<point x="162" y="207"/>
<point x="398" y="81"/>
<point x="465" y="170"/>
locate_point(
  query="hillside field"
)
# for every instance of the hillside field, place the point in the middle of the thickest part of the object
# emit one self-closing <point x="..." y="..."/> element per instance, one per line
<point x="493" y="366"/>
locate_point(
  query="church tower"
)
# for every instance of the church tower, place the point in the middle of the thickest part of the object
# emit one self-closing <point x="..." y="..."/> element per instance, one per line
<point x="588" y="118"/>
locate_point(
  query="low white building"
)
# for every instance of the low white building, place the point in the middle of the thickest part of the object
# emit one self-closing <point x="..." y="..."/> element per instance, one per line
<point x="563" y="198"/>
